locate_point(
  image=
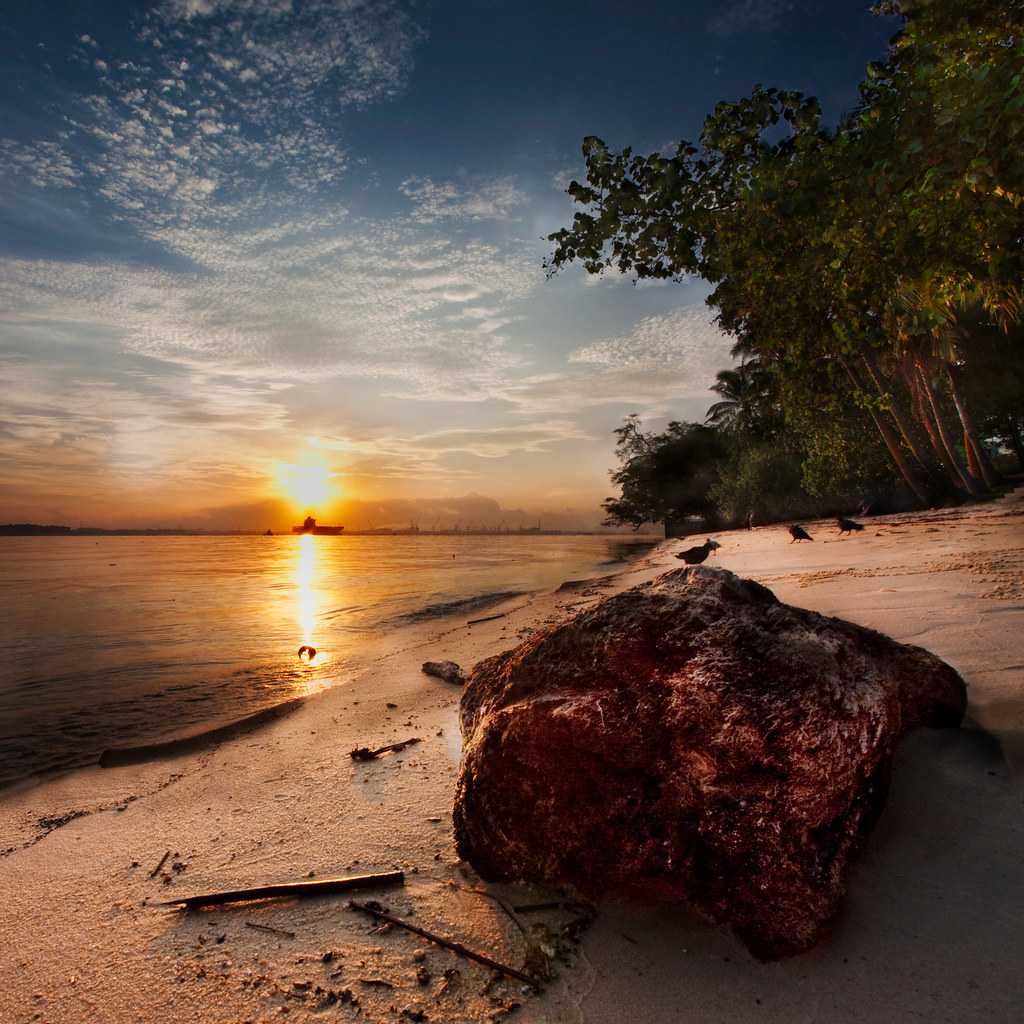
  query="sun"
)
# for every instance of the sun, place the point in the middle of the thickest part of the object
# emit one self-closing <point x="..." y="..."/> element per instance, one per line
<point x="307" y="484"/>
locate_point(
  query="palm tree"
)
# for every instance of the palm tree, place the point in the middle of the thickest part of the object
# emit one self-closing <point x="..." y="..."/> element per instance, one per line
<point x="745" y="394"/>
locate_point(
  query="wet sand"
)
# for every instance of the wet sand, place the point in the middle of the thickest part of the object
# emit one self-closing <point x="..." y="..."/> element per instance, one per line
<point x="931" y="929"/>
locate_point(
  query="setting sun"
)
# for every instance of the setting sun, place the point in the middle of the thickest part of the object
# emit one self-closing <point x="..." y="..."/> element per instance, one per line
<point x="308" y="485"/>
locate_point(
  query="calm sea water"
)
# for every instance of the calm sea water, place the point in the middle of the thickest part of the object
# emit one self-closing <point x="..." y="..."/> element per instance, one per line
<point x="116" y="640"/>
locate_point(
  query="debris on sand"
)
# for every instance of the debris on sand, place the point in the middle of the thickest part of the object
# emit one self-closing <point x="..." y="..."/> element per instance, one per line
<point x="366" y="754"/>
<point x="263" y="892"/>
<point x="449" y="671"/>
<point x="374" y="909"/>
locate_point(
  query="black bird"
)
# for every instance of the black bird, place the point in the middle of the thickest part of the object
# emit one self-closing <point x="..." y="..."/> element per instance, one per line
<point x="799" y="533"/>
<point x="694" y="556"/>
<point x="848" y="526"/>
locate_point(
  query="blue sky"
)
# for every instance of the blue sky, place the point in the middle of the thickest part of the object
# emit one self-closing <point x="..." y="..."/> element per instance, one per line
<point x="241" y="233"/>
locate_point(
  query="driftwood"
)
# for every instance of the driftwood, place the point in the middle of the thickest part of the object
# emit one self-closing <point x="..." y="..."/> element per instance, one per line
<point x="449" y="671"/>
<point x="269" y="928"/>
<point x="375" y="910"/>
<point x="487" y="618"/>
<point x="156" y="870"/>
<point x="263" y="892"/>
<point x="366" y="754"/>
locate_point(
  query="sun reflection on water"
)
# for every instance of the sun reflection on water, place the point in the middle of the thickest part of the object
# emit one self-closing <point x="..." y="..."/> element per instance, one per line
<point x="306" y="595"/>
<point x="307" y="609"/>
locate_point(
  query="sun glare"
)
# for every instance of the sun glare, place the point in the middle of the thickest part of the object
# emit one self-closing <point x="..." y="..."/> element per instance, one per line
<point x="308" y="485"/>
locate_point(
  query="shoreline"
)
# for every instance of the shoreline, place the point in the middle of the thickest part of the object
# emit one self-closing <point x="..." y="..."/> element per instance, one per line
<point x="929" y="909"/>
<point x="148" y="645"/>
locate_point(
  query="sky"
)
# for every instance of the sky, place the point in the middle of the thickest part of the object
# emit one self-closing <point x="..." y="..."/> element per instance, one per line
<point x="243" y="236"/>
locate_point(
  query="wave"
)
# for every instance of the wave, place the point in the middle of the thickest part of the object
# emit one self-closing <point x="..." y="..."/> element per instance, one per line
<point x="443" y="609"/>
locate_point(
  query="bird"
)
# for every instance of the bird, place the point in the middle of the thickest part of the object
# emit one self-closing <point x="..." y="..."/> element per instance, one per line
<point x="799" y="533"/>
<point x="848" y="526"/>
<point x="694" y="556"/>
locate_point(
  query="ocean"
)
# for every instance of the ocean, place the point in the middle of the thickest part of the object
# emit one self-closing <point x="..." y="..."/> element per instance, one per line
<point x="108" y="641"/>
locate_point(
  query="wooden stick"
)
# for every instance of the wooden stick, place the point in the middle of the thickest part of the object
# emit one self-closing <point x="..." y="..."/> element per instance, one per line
<point x="366" y="754"/>
<point x="263" y="892"/>
<point x="156" y="870"/>
<point x="271" y="929"/>
<point x="455" y="947"/>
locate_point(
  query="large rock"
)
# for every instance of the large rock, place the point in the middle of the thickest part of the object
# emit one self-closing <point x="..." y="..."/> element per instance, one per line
<point x="693" y="740"/>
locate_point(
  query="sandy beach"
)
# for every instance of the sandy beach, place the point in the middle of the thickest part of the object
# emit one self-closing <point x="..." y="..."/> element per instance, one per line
<point x="931" y="928"/>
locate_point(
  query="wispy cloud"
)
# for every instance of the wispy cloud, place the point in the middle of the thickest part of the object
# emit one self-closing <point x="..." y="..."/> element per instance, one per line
<point x="683" y="339"/>
<point x="488" y="200"/>
<point x="230" y="111"/>
<point x="298" y="300"/>
<point x="737" y="16"/>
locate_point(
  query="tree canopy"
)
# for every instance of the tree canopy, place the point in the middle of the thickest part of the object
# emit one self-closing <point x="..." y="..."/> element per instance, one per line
<point x="868" y="262"/>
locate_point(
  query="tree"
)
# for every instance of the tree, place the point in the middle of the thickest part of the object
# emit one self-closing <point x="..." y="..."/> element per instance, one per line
<point x="748" y="406"/>
<point x="664" y="477"/>
<point x="814" y="238"/>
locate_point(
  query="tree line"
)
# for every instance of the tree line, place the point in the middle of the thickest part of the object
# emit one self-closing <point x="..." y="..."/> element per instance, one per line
<point x="870" y="274"/>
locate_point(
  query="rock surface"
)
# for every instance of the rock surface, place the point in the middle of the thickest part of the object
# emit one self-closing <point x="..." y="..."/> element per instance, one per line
<point x="693" y="740"/>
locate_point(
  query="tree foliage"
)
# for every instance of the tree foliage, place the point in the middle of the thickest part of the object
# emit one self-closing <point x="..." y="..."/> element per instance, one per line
<point x="866" y="260"/>
<point x="664" y="477"/>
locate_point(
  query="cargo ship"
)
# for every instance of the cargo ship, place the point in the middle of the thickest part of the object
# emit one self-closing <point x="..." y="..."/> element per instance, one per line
<point x="309" y="526"/>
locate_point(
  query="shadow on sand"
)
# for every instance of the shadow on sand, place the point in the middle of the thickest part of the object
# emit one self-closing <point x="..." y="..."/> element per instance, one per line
<point x="931" y="929"/>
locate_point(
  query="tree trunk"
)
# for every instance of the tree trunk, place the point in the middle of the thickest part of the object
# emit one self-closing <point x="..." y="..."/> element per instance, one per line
<point x="972" y="459"/>
<point x="972" y="439"/>
<point x="892" y="443"/>
<point x="871" y="364"/>
<point x="923" y="415"/>
<point x="955" y="469"/>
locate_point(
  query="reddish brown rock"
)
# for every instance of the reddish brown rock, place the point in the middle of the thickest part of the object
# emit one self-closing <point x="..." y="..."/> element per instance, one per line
<point x="693" y="740"/>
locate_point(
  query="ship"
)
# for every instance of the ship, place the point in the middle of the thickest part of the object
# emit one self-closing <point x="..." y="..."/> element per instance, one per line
<point x="309" y="526"/>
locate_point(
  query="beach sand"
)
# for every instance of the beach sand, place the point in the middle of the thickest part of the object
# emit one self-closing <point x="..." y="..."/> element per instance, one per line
<point x="932" y="928"/>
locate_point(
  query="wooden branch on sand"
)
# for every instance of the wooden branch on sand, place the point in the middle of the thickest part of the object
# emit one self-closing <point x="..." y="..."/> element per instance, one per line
<point x="375" y="910"/>
<point x="366" y="754"/>
<point x="270" y="928"/>
<point x="263" y="892"/>
<point x="156" y="870"/>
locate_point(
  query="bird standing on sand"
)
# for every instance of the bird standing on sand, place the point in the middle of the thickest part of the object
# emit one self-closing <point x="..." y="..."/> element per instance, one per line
<point x="694" y="556"/>
<point x="848" y="526"/>
<point x="799" y="533"/>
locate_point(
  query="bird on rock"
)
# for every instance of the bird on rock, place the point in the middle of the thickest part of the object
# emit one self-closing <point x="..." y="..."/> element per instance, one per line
<point x="848" y="526"/>
<point x="799" y="533"/>
<point x="694" y="556"/>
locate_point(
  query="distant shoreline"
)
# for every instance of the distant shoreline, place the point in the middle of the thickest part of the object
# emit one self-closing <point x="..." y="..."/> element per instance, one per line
<point x="33" y="530"/>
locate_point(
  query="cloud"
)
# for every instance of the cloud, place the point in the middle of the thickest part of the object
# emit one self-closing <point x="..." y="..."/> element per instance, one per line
<point x="77" y="422"/>
<point x="685" y="338"/>
<point x="738" y="16"/>
<point x="435" y="446"/>
<point x="44" y="164"/>
<point x="237" y="97"/>
<point x="302" y="299"/>
<point x="489" y="200"/>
